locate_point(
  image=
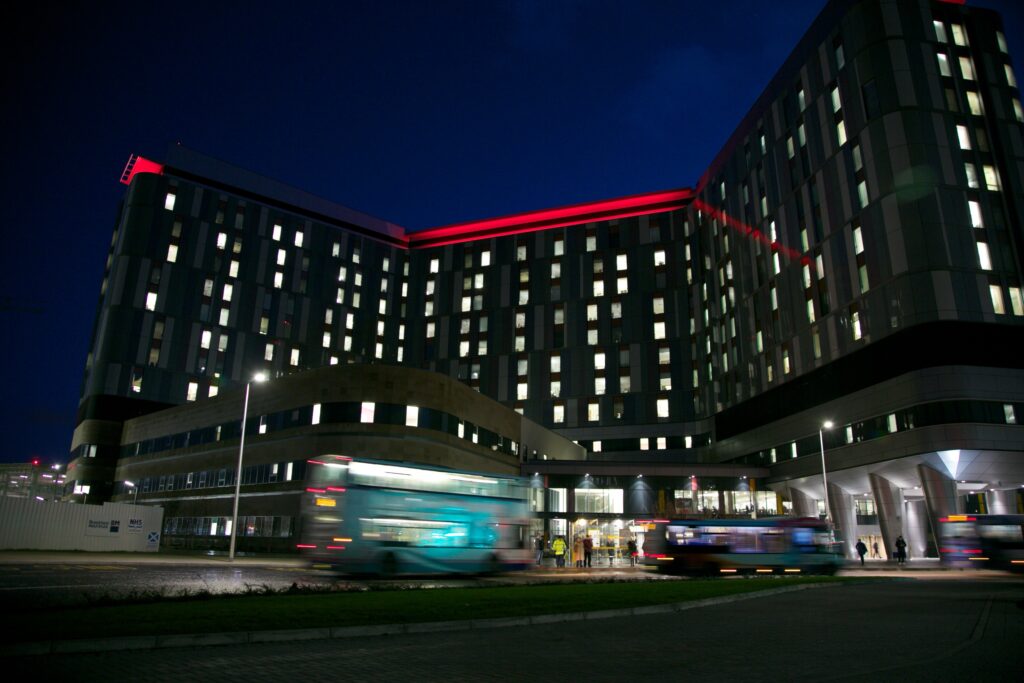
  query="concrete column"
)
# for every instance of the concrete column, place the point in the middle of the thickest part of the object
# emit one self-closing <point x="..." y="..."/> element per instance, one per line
<point x="721" y="502"/>
<point x="844" y="517"/>
<point x="889" y="505"/>
<point x="803" y="505"/>
<point x="940" y="498"/>
<point x="1002" y="502"/>
<point x="916" y="529"/>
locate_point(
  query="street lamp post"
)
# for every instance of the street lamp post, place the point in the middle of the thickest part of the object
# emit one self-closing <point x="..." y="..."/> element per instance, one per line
<point x="827" y="424"/>
<point x="135" y="498"/>
<point x="260" y="377"/>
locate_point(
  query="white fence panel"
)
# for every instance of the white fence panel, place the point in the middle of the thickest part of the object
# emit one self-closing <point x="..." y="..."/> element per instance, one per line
<point x="29" y="524"/>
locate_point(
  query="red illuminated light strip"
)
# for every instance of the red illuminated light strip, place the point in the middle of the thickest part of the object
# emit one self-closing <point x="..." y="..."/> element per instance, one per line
<point x="754" y="233"/>
<point x="137" y="164"/>
<point x="532" y="221"/>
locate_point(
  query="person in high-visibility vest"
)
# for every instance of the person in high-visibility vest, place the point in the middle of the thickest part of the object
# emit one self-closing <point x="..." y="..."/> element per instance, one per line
<point x="558" y="548"/>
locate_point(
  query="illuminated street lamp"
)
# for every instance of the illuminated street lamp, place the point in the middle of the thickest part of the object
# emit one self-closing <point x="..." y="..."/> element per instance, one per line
<point x="135" y="498"/>
<point x="827" y="424"/>
<point x="259" y="377"/>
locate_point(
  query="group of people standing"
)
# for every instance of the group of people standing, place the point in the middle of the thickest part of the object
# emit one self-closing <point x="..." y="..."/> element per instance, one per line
<point x="582" y="551"/>
<point x="901" y="550"/>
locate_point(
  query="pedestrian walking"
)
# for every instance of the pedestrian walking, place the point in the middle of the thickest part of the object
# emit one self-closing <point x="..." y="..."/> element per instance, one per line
<point x="588" y="550"/>
<point x="861" y="550"/>
<point x="577" y="551"/>
<point x="632" y="552"/>
<point x="539" y="544"/>
<point x="901" y="550"/>
<point x="874" y="551"/>
<point x="558" y="547"/>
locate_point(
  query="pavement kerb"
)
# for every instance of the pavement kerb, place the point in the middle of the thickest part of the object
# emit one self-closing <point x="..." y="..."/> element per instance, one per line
<point x="324" y="633"/>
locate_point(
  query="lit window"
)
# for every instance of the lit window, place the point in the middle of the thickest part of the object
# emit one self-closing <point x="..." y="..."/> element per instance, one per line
<point x="556" y="364"/>
<point x="659" y="330"/>
<point x="556" y="270"/>
<point x="598" y="287"/>
<point x="327" y="340"/>
<point x="481" y="347"/>
<point x="298" y="239"/>
<point x="559" y="414"/>
<point x="1017" y="110"/>
<point x="620" y="262"/>
<point x="963" y="137"/>
<point x="1001" y="41"/>
<point x="810" y="311"/>
<point x="940" y="31"/>
<point x="966" y="69"/>
<point x="150" y="301"/>
<point x="430" y="330"/>
<point x="559" y="246"/>
<point x="172" y="253"/>
<point x="975" y="209"/>
<point x="862" y="193"/>
<point x="974" y="103"/>
<point x="591" y="242"/>
<point x="959" y="37"/>
<point x="233" y="269"/>
<point x="169" y="201"/>
<point x="278" y="280"/>
<point x="347" y="343"/>
<point x="972" y="175"/>
<point x="211" y="393"/>
<point x="556" y="389"/>
<point x="855" y="324"/>
<point x="599" y="360"/>
<point x="645" y="443"/>
<point x="984" y="259"/>
<point x="659" y="305"/>
<point x="622" y="285"/>
<point x="412" y="416"/>
<point x="434" y="263"/>
<point x="228" y="291"/>
<point x="204" y="339"/>
<point x="192" y="392"/>
<point x="991" y="178"/>
<point x="836" y="103"/>
<point x="858" y="244"/>
<point x="268" y="352"/>
<point x="841" y="133"/>
<point x="862" y="275"/>
<point x="520" y="342"/>
<point x="1016" y="301"/>
<point x="595" y="447"/>
<point x="222" y="240"/>
<point x="593" y="411"/>
<point x="463" y="349"/>
<point x="316" y="414"/>
<point x="522" y="389"/>
<point x="996" y="292"/>
<point x="659" y="257"/>
<point x="521" y="252"/>
<point x="294" y="360"/>
<point x="366" y="413"/>
<point x="277" y="233"/>
<point x="662" y="406"/>
<point x="944" y="65"/>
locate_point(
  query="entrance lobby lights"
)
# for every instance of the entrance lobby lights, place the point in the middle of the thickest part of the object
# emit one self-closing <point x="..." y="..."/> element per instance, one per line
<point x="258" y="377"/>
<point x="827" y="424"/>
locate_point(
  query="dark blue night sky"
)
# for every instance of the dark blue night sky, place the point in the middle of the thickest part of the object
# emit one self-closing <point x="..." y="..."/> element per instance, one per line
<point x="421" y="113"/>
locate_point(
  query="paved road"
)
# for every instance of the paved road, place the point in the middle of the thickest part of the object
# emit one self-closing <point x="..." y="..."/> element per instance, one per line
<point x="901" y="630"/>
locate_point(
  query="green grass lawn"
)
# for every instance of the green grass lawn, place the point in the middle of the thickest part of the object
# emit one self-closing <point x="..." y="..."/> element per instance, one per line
<point x="282" y="611"/>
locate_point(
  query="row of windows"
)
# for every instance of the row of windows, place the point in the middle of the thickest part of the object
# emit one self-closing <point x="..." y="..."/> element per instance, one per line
<point x="251" y="526"/>
<point x="924" y="415"/>
<point x="328" y="413"/>
<point x="251" y="474"/>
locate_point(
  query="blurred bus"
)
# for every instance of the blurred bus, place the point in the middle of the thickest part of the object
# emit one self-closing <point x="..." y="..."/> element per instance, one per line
<point x="984" y="541"/>
<point x="714" y="547"/>
<point x="376" y="517"/>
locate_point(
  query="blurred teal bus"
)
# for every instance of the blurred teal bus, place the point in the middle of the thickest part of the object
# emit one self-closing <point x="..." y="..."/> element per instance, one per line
<point x="387" y="518"/>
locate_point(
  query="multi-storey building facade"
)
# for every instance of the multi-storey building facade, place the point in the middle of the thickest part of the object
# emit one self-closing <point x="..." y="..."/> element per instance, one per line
<point x="854" y="254"/>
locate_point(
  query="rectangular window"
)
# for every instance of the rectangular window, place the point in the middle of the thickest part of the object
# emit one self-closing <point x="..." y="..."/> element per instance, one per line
<point x="295" y="357"/>
<point x="963" y="137"/>
<point x="150" y="301"/>
<point x="662" y="407"/>
<point x="991" y="178"/>
<point x="593" y="411"/>
<point x="192" y="392"/>
<point x="412" y="416"/>
<point x="996" y="292"/>
<point x="558" y="416"/>
<point x="959" y="37"/>
<point x="169" y="201"/>
<point x="944" y="65"/>
<point x="1016" y="301"/>
<point x="975" y="210"/>
<point x="366" y="413"/>
<point x="972" y="175"/>
<point x="298" y="238"/>
<point x="172" y="253"/>
<point x="966" y="69"/>
<point x="984" y="260"/>
<point x="940" y="31"/>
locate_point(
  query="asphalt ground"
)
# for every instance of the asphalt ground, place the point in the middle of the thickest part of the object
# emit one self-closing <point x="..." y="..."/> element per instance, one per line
<point x="905" y="630"/>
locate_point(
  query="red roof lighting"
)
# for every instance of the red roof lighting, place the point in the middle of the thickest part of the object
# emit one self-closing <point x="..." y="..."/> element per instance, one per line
<point x="544" y="219"/>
